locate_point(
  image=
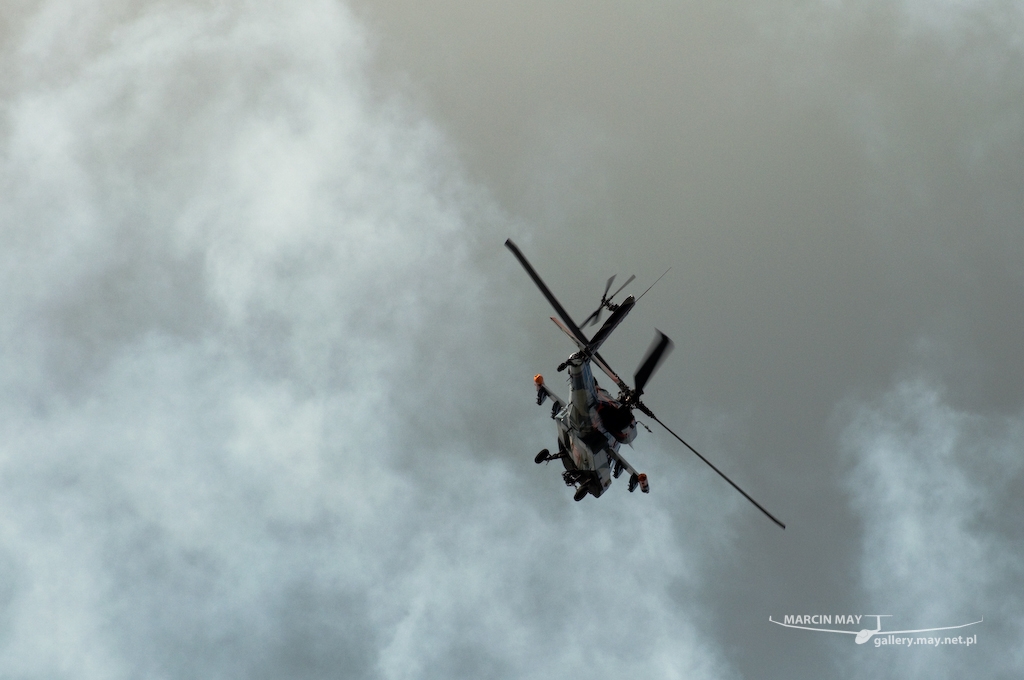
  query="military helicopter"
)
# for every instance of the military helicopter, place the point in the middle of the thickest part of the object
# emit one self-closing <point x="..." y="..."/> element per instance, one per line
<point x="593" y="425"/>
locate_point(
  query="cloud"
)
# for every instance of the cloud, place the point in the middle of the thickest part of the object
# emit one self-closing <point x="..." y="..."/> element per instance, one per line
<point x="250" y="422"/>
<point x="935" y="490"/>
<point x="838" y="188"/>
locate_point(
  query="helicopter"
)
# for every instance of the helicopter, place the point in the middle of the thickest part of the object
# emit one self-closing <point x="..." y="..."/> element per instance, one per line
<point x="592" y="425"/>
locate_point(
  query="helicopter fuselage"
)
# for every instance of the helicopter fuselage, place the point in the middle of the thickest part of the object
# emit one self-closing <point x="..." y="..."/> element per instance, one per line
<point x="592" y="425"/>
<point x="591" y="428"/>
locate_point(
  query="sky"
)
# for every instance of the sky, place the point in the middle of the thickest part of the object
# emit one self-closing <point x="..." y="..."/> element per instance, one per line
<point x="266" y="404"/>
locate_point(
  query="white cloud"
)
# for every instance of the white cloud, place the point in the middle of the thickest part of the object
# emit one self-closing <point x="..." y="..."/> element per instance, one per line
<point x="935" y="489"/>
<point x="246" y="334"/>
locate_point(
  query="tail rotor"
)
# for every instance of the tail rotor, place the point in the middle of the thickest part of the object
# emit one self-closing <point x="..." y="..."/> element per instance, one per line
<point x="606" y="301"/>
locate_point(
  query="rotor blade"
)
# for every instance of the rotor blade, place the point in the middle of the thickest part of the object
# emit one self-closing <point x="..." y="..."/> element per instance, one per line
<point x="603" y="365"/>
<point x="722" y="474"/>
<point x="631" y="277"/>
<point x="652" y="285"/>
<point x="547" y="293"/>
<point x="593" y="318"/>
<point x="608" y="287"/>
<point x="596" y="315"/>
<point x="565" y="329"/>
<point x="656" y="353"/>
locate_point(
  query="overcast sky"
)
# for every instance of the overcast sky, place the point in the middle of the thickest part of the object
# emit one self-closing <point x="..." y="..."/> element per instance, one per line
<point x="266" y="406"/>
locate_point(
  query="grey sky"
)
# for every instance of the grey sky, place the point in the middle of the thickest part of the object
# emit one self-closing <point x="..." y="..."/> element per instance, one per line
<point x="266" y="403"/>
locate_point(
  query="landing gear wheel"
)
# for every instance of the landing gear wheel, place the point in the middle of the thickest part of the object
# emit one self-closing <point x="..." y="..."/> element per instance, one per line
<point x="580" y="494"/>
<point x="634" y="481"/>
<point x="542" y="456"/>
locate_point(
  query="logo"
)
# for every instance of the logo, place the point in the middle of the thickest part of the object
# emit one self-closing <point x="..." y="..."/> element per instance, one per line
<point x="882" y="637"/>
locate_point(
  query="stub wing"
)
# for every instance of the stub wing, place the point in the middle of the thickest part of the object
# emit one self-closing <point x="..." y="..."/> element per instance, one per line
<point x="635" y="478"/>
<point x="614" y="455"/>
<point x="544" y="392"/>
